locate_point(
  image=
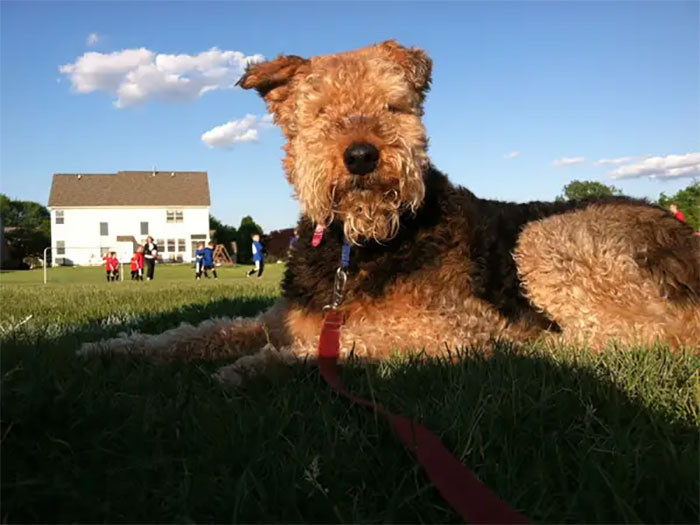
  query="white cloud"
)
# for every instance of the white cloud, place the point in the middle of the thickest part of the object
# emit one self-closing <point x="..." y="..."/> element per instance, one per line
<point x="511" y="155"/>
<point x="134" y="76"/>
<point x="618" y="160"/>
<point x="568" y="161"/>
<point x="235" y="131"/>
<point x="668" y="167"/>
<point x="92" y="39"/>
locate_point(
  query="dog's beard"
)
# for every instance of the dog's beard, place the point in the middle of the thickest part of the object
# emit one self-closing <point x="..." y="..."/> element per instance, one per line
<point x="373" y="212"/>
<point x="370" y="206"/>
<point x="366" y="215"/>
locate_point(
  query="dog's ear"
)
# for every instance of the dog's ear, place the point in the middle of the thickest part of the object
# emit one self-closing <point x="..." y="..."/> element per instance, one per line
<point x="272" y="80"/>
<point x="415" y="62"/>
<point x="267" y="77"/>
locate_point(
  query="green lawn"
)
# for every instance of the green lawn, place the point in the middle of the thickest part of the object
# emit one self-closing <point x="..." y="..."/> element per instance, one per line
<point x="564" y="436"/>
<point x="96" y="274"/>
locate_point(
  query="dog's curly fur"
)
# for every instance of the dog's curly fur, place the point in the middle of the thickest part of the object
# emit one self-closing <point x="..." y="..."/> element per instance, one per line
<point x="432" y="265"/>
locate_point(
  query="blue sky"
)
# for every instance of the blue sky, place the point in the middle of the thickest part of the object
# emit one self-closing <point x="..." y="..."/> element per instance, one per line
<point x="516" y="86"/>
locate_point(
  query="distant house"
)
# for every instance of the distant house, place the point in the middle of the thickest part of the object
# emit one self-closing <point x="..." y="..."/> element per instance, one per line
<point x="92" y="214"/>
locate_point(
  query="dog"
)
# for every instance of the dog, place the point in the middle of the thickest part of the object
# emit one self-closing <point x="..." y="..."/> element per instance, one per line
<point x="432" y="266"/>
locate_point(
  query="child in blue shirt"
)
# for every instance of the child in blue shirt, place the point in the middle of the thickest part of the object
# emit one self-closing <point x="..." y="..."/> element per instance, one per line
<point x="258" y="257"/>
<point x="199" y="260"/>
<point x="208" y="260"/>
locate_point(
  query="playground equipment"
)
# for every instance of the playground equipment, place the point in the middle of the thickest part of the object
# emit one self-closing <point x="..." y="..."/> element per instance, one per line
<point x="221" y="256"/>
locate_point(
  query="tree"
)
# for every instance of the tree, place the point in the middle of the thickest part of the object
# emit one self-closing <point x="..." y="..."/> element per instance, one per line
<point x="688" y="201"/>
<point x="277" y="243"/>
<point x="27" y="227"/>
<point x="584" y="189"/>
<point x="223" y="233"/>
<point x="247" y="228"/>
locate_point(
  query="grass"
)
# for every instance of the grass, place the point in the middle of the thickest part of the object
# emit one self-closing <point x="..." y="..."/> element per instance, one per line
<point x="563" y="435"/>
<point x="82" y="298"/>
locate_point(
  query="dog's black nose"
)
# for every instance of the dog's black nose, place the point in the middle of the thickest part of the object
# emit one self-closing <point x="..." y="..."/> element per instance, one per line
<point x="361" y="158"/>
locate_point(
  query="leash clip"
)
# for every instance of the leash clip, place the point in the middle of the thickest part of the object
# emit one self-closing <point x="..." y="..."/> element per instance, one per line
<point x="338" y="288"/>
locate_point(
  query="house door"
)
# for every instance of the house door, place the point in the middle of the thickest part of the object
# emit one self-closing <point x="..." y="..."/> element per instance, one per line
<point x="195" y="240"/>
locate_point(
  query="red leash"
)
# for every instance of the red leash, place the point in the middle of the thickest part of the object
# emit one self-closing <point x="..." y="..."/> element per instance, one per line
<point x="470" y="498"/>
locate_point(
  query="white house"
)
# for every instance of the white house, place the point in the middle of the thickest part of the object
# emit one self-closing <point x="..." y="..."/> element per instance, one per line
<point x="92" y="214"/>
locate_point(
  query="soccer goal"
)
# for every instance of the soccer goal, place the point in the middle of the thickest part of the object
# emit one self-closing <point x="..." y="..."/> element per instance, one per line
<point x="61" y="256"/>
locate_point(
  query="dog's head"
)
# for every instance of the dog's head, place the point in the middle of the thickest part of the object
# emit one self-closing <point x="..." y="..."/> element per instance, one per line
<point x="356" y="146"/>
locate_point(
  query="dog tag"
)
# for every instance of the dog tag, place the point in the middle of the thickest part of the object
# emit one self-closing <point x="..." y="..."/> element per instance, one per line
<point x="318" y="235"/>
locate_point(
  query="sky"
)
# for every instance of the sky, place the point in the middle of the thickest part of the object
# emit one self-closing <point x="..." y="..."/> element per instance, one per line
<point x="526" y="96"/>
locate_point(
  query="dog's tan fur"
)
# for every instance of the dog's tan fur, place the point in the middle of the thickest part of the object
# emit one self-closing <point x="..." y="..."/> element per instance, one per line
<point x="602" y="283"/>
<point x="613" y="271"/>
<point x="320" y="116"/>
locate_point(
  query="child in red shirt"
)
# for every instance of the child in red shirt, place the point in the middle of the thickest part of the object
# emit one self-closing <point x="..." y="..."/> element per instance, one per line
<point x="107" y="258"/>
<point x="137" y="264"/>
<point x="111" y="266"/>
<point x="678" y="214"/>
<point x="115" y="267"/>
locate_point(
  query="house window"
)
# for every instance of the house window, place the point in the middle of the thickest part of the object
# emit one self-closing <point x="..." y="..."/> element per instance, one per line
<point x="104" y="251"/>
<point x="144" y="228"/>
<point x="173" y="216"/>
<point x="161" y="244"/>
<point x="59" y="217"/>
<point x="171" y="245"/>
<point x="104" y="229"/>
<point x="181" y="245"/>
<point x="60" y="247"/>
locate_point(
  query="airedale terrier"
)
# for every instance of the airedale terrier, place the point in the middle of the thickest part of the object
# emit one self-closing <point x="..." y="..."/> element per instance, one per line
<point x="432" y="266"/>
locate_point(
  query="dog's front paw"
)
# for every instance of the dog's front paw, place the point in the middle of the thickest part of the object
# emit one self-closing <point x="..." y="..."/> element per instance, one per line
<point x="228" y="375"/>
<point x="124" y="343"/>
<point x="254" y="364"/>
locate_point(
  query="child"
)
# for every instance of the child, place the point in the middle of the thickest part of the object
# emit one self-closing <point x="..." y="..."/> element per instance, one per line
<point x="292" y="242"/>
<point x="199" y="260"/>
<point x="111" y="266"/>
<point x="137" y="264"/>
<point x="115" y="267"/>
<point x="258" y="258"/>
<point x="139" y="253"/>
<point x="108" y="265"/>
<point x="678" y="214"/>
<point x="209" y="260"/>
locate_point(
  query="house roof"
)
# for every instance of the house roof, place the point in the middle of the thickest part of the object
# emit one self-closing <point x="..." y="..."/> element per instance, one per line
<point x="130" y="188"/>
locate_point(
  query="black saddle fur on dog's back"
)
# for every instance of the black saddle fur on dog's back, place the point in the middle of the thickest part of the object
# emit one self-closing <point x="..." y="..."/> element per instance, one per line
<point x="487" y="238"/>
